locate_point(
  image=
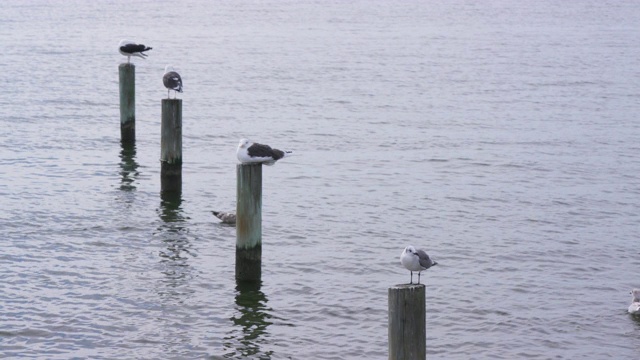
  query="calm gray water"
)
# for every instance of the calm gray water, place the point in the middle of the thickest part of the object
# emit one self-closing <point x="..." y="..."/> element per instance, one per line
<point x="501" y="136"/>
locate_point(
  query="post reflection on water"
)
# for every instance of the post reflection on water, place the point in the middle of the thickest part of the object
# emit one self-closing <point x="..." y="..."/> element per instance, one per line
<point x="128" y="166"/>
<point x="252" y="318"/>
<point x="174" y="257"/>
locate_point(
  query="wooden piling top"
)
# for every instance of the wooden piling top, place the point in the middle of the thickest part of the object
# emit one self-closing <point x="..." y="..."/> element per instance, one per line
<point x="407" y="286"/>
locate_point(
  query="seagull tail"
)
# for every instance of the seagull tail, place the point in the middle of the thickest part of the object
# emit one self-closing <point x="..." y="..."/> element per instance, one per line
<point x="219" y="214"/>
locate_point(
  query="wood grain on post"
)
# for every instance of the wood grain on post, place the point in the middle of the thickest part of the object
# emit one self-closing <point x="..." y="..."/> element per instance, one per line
<point x="407" y="321"/>
<point x="127" y="75"/>
<point x="249" y="222"/>
<point x="171" y="145"/>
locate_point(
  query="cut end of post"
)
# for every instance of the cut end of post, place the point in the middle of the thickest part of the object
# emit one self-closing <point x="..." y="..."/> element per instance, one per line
<point x="407" y="286"/>
<point x="127" y="65"/>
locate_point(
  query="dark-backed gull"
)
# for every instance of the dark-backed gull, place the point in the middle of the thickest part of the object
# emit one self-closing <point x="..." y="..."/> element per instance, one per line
<point x="130" y="48"/>
<point x="250" y="152"/>
<point x="172" y="81"/>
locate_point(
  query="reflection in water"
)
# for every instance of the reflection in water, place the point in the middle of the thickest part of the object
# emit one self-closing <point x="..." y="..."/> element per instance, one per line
<point x="128" y="166"/>
<point x="170" y="210"/>
<point x="253" y="318"/>
<point x="174" y="234"/>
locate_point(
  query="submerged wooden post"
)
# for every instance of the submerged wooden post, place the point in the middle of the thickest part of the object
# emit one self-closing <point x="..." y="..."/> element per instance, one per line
<point x="171" y="145"/>
<point x="407" y="321"/>
<point x="127" y="74"/>
<point x="249" y="222"/>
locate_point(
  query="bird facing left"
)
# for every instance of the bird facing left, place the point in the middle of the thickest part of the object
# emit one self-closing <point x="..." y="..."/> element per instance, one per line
<point x="416" y="260"/>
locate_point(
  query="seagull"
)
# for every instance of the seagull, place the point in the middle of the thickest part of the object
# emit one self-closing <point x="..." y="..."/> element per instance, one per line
<point x="416" y="260"/>
<point x="226" y="217"/>
<point x="634" y="308"/>
<point x="172" y="80"/>
<point x="250" y="152"/>
<point x="129" y="48"/>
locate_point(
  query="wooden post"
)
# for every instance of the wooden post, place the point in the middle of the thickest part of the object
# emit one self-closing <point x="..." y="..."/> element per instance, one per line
<point x="127" y="102"/>
<point x="171" y="145"/>
<point x="407" y="314"/>
<point x="249" y="222"/>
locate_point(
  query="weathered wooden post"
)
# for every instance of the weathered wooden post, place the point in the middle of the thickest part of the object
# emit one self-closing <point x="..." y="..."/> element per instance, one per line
<point x="249" y="222"/>
<point x="171" y="145"/>
<point x="127" y="74"/>
<point x="407" y="320"/>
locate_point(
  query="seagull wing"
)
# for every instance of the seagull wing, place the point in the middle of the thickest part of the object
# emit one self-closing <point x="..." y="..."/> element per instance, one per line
<point x="173" y="81"/>
<point x="260" y="150"/>
<point x="226" y="217"/>
<point x="131" y="48"/>
<point x="425" y="261"/>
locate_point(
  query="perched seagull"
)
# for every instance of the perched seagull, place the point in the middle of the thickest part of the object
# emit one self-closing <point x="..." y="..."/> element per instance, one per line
<point x="250" y="152"/>
<point x="226" y="217"/>
<point x="172" y="80"/>
<point x="634" y="308"/>
<point x="129" y="48"/>
<point x="416" y="260"/>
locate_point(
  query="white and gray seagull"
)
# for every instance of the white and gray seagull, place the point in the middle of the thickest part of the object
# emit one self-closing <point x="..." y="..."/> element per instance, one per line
<point x="225" y="217"/>
<point x="172" y="81"/>
<point x="416" y="260"/>
<point x="634" y="308"/>
<point x="130" y="48"/>
<point x="250" y="152"/>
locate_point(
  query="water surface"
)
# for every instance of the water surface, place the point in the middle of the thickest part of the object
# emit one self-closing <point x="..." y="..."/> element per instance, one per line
<point x="502" y="137"/>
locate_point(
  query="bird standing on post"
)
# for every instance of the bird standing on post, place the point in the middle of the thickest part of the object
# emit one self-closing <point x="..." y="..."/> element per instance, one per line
<point x="130" y="48"/>
<point x="172" y="81"/>
<point x="415" y="260"/>
<point x="250" y="152"/>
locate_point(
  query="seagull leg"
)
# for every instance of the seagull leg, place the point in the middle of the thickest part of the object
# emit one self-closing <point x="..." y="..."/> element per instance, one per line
<point x="411" y="282"/>
<point x="418" y="277"/>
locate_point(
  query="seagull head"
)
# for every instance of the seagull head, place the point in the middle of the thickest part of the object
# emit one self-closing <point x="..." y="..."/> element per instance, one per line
<point x="168" y="68"/>
<point x="124" y="42"/>
<point x="636" y="294"/>
<point x="244" y="143"/>
<point x="410" y="250"/>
